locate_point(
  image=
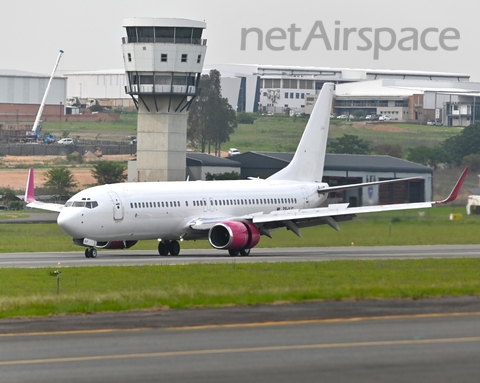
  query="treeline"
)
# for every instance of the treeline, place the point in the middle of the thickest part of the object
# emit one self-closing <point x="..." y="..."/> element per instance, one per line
<point x="461" y="149"/>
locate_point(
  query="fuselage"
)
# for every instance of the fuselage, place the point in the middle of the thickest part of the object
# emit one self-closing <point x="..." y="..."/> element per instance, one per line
<point x="165" y="210"/>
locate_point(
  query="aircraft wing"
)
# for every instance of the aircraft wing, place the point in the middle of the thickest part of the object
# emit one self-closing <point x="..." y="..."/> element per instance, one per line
<point x="298" y="218"/>
<point x="45" y="206"/>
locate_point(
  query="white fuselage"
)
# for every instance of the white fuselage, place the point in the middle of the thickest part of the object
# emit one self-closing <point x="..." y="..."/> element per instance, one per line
<point x="166" y="210"/>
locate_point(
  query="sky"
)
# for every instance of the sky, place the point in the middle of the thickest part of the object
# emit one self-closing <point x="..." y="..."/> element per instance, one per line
<point x="428" y="35"/>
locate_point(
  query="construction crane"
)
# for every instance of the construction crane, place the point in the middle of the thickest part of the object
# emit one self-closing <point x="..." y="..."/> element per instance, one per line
<point x="35" y="132"/>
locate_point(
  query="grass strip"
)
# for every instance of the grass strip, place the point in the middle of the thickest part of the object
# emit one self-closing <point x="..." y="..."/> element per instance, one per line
<point x="33" y="292"/>
<point x="433" y="227"/>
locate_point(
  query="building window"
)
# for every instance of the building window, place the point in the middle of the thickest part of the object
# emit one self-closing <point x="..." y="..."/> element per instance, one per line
<point x="286" y="94"/>
<point x="302" y="96"/>
<point x="297" y="95"/>
<point x="163" y="57"/>
<point x="129" y="55"/>
<point x="184" y="58"/>
<point x="291" y="95"/>
<point x="199" y="58"/>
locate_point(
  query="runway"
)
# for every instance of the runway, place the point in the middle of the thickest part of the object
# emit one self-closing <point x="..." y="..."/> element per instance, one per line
<point x="428" y="340"/>
<point x="151" y="257"/>
<point x="420" y="348"/>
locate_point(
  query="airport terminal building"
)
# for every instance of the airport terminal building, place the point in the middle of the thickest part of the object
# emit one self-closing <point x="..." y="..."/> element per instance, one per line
<point x="409" y="96"/>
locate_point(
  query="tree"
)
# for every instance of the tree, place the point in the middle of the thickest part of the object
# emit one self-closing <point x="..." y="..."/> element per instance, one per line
<point x="426" y="155"/>
<point x="358" y="113"/>
<point x="109" y="172"/>
<point x="472" y="161"/>
<point x="349" y="144"/>
<point x="463" y="144"/>
<point x="60" y="181"/>
<point x="8" y="197"/>
<point x="211" y="119"/>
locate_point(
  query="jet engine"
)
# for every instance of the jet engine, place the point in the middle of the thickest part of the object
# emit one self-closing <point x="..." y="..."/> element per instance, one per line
<point x="234" y="235"/>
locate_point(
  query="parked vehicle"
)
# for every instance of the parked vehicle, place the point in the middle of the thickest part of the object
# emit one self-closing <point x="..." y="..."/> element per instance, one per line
<point x="66" y="141"/>
<point x="384" y="118"/>
<point x="233" y="152"/>
<point x="49" y="139"/>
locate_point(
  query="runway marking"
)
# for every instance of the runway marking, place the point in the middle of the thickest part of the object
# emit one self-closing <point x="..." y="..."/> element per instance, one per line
<point x="239" y="350"/>
<point x="331" y="320"/>
<point x="74" y="332"/>
<point x="239" y="325"/>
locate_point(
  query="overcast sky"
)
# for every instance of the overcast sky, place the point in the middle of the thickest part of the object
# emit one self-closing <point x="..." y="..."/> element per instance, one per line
<point x="90" y="32"/>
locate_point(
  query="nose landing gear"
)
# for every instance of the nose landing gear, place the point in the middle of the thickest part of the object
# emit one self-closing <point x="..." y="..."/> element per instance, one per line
<point x="90" y="252"/>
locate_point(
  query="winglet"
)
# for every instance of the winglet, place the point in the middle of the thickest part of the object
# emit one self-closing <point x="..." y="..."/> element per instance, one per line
<point x="30" y="190"/>
<point x="454" y="193"/>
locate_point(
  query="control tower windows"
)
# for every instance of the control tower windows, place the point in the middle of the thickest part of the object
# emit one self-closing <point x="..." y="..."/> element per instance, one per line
<point x="164" y="34"/>
<point x="163" y="57"/>
<point x="145" y="34"/>
<point x="184" y="58"/>
<point x="199" y="58"/>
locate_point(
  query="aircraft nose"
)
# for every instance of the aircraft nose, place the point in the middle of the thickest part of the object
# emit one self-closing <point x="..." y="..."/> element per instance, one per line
<point x="68" y="222"/>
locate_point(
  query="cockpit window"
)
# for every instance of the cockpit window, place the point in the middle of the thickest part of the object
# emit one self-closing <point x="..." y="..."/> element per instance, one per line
<point x="87" y="204"/>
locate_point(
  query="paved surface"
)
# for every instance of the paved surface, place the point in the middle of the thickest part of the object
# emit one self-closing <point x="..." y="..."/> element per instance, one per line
<point x="321" y="341"/>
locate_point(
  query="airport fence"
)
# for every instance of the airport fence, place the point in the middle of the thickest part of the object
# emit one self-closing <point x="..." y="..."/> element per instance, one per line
<point x="81" y="147"/>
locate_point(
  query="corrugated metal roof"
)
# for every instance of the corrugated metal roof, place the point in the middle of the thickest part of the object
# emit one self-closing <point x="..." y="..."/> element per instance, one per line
<point x="204" y="159"/>
<point x="20" y="73"/>
<point x="357" y="162"/>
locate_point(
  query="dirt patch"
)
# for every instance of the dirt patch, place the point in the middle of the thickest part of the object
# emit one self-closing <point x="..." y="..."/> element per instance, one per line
<point x="17" y="178"/>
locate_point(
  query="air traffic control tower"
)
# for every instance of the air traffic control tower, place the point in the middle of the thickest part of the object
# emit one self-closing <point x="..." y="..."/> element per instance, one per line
<point x="163" y="63"/>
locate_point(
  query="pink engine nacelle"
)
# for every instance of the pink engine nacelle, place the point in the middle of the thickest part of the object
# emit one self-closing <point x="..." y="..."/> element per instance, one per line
<point x="234" y="235"/>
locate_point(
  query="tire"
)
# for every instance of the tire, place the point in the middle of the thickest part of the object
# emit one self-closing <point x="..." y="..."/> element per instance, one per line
<point x="87" y="253"/>
<point x="245" y="252"/>
<point x="174" y="248"/>
<point x="162" y="248"/>
<point x="93" y="253"/>
<point x="233" y="253"/>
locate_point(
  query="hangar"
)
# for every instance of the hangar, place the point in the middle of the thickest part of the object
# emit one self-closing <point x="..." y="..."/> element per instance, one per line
<point x="21" y="94"/>
<point x="343" y="169"/>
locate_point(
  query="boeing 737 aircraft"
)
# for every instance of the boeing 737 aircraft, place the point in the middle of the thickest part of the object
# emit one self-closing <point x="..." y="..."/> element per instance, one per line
<point x="232" y="215"/>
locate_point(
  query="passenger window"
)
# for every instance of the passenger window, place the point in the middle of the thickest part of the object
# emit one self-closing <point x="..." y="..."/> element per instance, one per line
<point x="186" y="203"/>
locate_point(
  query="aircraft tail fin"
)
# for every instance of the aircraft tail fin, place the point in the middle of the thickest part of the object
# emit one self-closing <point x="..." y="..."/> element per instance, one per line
<point x="30" y="189"/>
<point x="309" y="159"/>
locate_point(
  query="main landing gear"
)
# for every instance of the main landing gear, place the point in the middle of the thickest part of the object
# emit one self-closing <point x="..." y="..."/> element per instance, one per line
<point x="239" y="252"/>
<point x="168" y="247"/>
<point x="90" y="252"/>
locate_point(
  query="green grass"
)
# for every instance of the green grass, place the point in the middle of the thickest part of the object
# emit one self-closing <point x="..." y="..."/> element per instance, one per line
<point x="29" y="292"/>
<point x="268" y="133"/>
<point x="89" y="130"/>
<point x="282" y="134"/>
<point x="379" y="229"/>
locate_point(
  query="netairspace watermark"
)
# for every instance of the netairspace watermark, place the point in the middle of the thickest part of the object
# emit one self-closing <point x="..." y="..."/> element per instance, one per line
<point x="341" y="38"/>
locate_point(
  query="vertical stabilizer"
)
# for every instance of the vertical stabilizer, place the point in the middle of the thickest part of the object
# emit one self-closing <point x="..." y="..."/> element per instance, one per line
<point x="29" y="191"/>
<point x="309" y="159"/>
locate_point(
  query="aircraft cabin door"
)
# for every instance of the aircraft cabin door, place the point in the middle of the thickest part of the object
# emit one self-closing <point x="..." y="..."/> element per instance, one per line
<point x="117" y="206"/>
<point x="305" y="199"/>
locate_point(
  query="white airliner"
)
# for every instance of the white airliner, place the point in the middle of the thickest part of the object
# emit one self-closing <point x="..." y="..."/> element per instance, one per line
<point x="232" y="215"/>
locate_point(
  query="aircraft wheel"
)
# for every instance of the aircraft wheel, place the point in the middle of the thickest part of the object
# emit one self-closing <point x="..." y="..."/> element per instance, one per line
<point x="93" y="253"/>
<point x="162" y="248"/>
<point x="174" y="247"/>
<point x="87" y="253"/>
<point x="245" y="252"/>
<point x="233" y="253"/>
